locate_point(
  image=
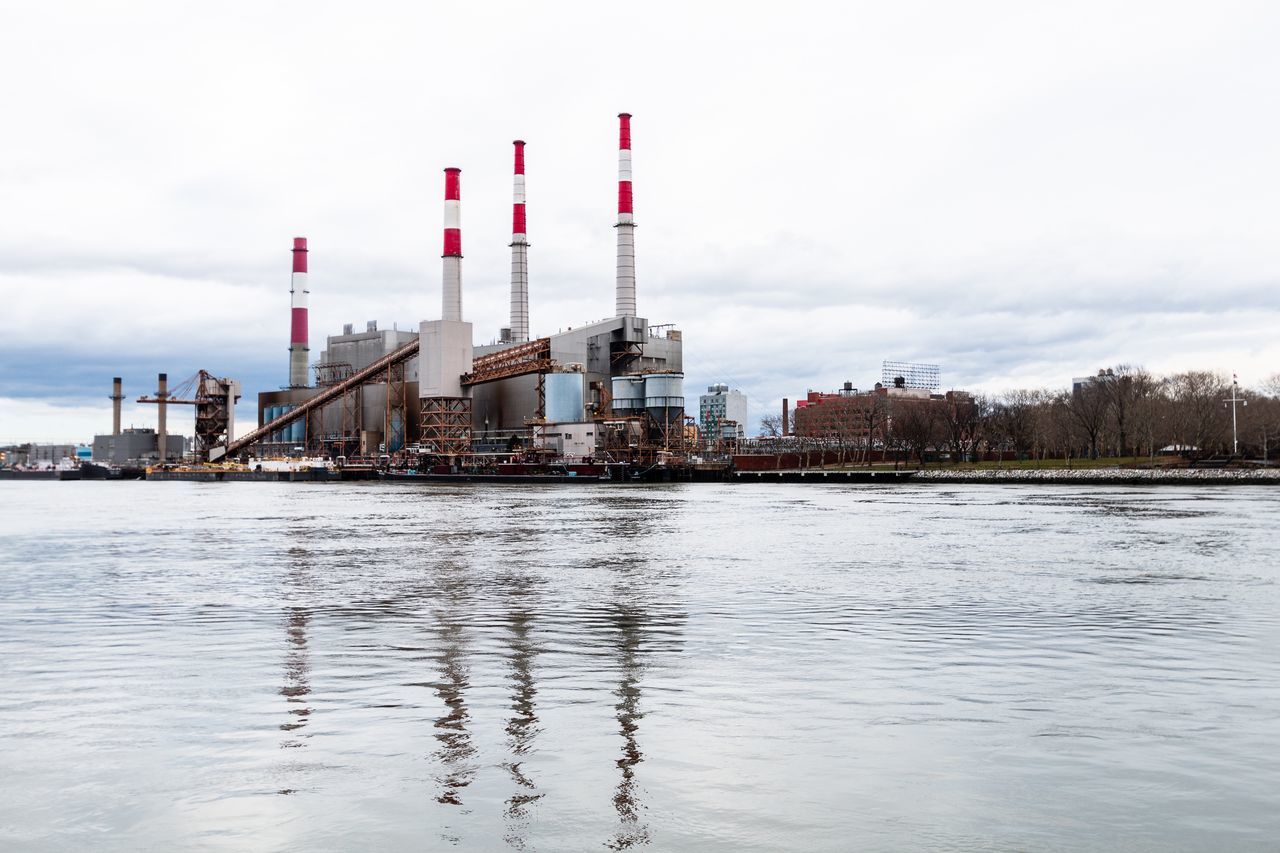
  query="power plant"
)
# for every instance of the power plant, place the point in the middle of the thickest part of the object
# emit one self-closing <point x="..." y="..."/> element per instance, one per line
<point x="609" y="392"/>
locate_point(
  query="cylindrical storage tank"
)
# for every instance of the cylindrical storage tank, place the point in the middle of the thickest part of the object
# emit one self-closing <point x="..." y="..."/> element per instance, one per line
<point x="565" y="393"/>
<point x="297" y="429"/>
<point x="271" y="413"/>
<point x="396" y="439"/>
<point x="664" y="397"/>
<point x="628" y="395"/>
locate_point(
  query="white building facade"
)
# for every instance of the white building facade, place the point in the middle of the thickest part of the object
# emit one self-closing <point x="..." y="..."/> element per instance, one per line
<point x="722" y="413"/>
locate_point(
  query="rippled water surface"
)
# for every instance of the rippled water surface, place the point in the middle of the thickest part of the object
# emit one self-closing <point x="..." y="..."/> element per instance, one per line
<point x="698" y="667"/>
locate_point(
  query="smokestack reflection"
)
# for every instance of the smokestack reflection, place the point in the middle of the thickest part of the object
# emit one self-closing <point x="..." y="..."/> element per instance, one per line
<point x="297" y="666"/>
<point x="455" y="749"/>
<point x="628" y="622"/>
<point x="522" y="727"/>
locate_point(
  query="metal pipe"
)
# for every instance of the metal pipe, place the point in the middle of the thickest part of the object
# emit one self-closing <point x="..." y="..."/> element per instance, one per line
<point x="117" y="395"/>
<point x="299" y="340"/>
<point x="519" y="254"/>
<point x="162" y="432"/>
<point x="626" y="286"/>
<point x="451" y="295"/>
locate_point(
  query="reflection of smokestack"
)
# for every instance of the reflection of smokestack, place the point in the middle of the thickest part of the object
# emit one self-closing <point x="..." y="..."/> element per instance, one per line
<point x="116" y="396"/>
<point x="298" y="337"/>
<point x="785" y="416"/>
<point x="452" y="289"/>
<point x="626" y="289"/>
<point x="519" y="255"/>
<point x="162" y="431"/>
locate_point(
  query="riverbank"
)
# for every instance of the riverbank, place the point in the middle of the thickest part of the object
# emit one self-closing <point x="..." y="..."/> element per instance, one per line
<point x="1105" y="476"/>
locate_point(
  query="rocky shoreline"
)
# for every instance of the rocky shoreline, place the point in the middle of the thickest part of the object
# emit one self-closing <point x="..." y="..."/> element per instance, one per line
<point x="1108" y="476"/>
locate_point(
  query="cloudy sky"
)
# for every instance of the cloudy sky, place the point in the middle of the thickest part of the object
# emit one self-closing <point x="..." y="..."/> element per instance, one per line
<point x="1020" y="192"/>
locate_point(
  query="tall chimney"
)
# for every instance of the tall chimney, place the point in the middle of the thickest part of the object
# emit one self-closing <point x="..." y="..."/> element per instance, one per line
<point x="786" y="416"/>
<point x="626" y="290"/>
<point x="452" y="281"/>
<point x="299" y="340"/>
<point x="117" y="395"/>
<point x="162" y="432"/>
<point x="519" y="255"/>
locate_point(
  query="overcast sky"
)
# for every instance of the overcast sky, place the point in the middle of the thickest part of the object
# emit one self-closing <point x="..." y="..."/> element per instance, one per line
<point x="1020" y="192"/>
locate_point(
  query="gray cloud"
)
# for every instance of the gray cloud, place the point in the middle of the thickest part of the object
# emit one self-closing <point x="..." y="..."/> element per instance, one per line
<point x="1019" y="193"/>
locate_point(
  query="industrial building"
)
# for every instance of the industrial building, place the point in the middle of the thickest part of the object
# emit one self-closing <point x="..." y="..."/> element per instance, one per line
<point x="133" y="445"/>
<point x="722" y="413"/>
<point x="36" y="456"/>
<point x="864" y="417"/>
<point x="612" y="387"/>
<point x="378" y="416"/>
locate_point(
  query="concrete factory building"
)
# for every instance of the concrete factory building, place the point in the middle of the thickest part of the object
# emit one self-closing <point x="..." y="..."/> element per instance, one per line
<point x="134" y="446"/>
<point x="722" y="413"/>
<point x="131" y="445"/>
<point x="615" y="383"/>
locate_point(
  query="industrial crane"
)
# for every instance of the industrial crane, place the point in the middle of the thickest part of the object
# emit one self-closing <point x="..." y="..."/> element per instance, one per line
<point x="215" y="402"/>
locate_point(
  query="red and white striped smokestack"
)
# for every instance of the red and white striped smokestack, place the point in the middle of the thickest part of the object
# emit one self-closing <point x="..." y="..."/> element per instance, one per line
<point x="452" y="280"/>
<point x="299" y="340"/>
<point x="519" y="255"/>
<point x="626" y="290"/>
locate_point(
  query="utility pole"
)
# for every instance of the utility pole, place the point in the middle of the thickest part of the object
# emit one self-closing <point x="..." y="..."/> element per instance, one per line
<point x="1235" y="398"/>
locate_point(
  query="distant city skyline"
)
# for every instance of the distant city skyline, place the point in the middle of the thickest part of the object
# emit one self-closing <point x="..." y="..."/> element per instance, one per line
<point x="1017" y="194"/>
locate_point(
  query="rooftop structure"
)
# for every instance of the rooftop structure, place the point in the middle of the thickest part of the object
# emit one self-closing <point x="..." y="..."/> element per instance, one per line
<point x="914" y="375"/>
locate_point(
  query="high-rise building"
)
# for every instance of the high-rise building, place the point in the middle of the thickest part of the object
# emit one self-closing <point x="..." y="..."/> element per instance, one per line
<point x="722" y="411"/>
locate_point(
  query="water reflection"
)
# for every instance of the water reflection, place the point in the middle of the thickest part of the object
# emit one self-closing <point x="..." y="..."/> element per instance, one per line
<point x="296" y="687"/>
<point x="522" y="727"/>
<point x="297" y="659"/>
<point x="455" y="749"/>
<point x="627" y="621"/>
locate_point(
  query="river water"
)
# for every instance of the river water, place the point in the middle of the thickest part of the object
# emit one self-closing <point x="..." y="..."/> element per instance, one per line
<point x="691" y="667"/>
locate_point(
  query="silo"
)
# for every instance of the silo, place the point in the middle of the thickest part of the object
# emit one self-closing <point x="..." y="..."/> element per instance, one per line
<point x="396" y="439"/>
<point x="297" y="429"/>
<point x="565" y="397"/>
<point x="628" y="395"/>
<point x="269" y="415"/>
<point x="664" y="398"/>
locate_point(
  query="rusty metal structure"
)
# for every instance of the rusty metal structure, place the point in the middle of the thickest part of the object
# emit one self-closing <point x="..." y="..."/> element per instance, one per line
<point x="519" y="360"/>
<point x="373" y="373"/>
<point x="214" y="400"/>
<point x="446" y="425"/>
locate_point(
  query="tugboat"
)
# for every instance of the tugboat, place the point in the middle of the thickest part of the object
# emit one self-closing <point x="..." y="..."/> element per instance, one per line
<point x="94" y="471"/>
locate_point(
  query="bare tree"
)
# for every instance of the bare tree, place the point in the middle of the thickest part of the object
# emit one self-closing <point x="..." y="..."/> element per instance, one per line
<point x="1123" y="387"/>
<point x="873" y="425"/>
<point x="1060" y="424"/>
<point x="1016" y="411"/>
<point x="962" y="418"/>
<point x="915" y="424"/>
<point x="1089" y="407"/>
<point x="1260" y="424"/>
<point x="771" y="426"/>
<point x="1199" y="419"/>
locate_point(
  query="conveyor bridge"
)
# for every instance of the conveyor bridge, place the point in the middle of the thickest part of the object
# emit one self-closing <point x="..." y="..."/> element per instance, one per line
<point x="333" y="392"/>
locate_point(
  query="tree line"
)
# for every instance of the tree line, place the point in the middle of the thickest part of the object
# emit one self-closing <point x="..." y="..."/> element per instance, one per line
<point x="1123" y="411"/>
